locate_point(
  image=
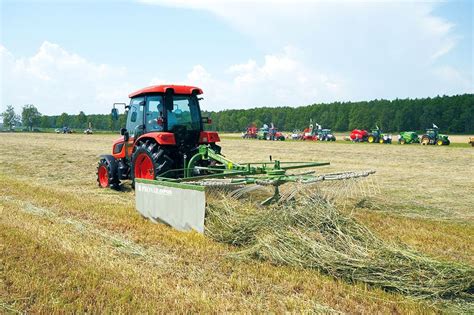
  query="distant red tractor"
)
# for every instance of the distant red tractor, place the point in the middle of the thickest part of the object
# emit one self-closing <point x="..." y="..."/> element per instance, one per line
<point x="358" y="135"/>
<point x="250" y="133"/>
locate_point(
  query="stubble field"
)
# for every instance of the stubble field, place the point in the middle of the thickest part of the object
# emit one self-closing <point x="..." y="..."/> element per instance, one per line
<point x="68" y="245"/>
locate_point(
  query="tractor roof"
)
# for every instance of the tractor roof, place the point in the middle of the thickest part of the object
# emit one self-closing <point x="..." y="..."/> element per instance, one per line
<point x="177" y="89"/>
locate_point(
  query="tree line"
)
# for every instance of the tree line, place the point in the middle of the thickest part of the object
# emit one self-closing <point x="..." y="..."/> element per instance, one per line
<point x="454" y="114"/>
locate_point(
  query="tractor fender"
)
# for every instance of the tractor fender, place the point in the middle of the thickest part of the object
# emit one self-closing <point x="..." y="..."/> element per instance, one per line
<point x="162" y="138"/>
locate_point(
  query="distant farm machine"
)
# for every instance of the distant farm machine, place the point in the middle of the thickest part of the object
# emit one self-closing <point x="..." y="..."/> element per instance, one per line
<point x="311" y="132"/>
<point x="164" y="145"/>
<point x="326" y="135"/>
<point x="408" y="137"/>
<point x="314" y="133"/>
<point x="251" y="132"/>
<point x="359" y="135"/>
<point x="376" y="136"/>
<point x="270" y="133"/>
<point x="432" y="136"/>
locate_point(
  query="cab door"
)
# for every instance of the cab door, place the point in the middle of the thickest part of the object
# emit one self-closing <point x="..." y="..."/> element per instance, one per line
<point x="135" y="126"/>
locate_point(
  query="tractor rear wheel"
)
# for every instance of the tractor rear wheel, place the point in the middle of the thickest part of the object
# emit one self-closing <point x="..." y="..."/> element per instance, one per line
<point x="402" y="141"/>
<point x="371" y="139"/>
<point x="149" y="160"/>
<point x="107" y="175"/>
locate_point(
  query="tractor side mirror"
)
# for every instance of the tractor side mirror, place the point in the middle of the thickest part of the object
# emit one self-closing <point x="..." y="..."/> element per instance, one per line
<point x="125" y="134"/>
<point x="115" y="114"/>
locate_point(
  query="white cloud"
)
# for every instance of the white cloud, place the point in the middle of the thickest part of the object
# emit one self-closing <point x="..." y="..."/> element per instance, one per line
<point x="56" y="81"/>
<point x="281" y="80"/>
<point x="377" y="48"/>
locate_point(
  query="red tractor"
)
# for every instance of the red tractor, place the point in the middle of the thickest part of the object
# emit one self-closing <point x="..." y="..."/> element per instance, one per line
<point x="164" y="128"/>
<point x="250" y="133"/>
<point x="358" y="135"/>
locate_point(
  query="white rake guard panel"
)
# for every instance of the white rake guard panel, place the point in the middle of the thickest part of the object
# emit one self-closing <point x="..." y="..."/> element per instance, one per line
<point x="181" y="206"/>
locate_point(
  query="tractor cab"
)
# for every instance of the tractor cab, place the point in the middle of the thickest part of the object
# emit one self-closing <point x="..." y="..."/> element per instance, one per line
<point x="376" y="132"/>
<point x="325" y="132"/>
<point x="154" y="111"/>
<point x="432" y="133"/>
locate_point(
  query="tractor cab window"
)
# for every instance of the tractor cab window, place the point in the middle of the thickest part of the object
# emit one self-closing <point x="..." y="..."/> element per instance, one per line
<point x="154" y="117"/>
<point x="185" y="113"/>
<point x="135" y="116"/>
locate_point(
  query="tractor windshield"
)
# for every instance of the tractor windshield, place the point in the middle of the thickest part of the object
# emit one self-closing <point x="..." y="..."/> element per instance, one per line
<point x="185" y="113"/>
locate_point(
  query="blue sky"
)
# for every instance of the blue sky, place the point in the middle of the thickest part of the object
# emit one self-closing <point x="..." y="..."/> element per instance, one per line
<point x="73" y="55"/>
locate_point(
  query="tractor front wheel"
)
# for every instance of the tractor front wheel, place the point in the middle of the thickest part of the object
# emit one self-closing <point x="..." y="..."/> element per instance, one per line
<point x="439" y="142"/>
<point x="107" y="174"/>
<point x="149" y="160"/>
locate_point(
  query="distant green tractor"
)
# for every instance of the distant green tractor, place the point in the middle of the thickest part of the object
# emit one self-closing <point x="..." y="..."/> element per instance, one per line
<point x="408" y="137"/>
<point x="432" y="136"/>
<point x="376" y="136"/>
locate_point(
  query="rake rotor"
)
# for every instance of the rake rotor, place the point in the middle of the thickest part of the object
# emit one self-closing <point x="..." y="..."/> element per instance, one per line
<point x="269" y="181"/>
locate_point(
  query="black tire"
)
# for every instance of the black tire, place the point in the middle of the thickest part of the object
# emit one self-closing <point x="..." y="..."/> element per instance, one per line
<point x="109" y="169"/>
<point x="158" y="155"/>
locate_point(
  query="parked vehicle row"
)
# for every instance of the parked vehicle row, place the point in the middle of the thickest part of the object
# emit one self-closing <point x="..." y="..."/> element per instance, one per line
<point x="314" y="132"/>
<point x="311" y="133"/>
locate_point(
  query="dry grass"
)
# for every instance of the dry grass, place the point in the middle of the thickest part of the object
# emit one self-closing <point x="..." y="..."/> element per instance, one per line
<point x="68" y="245"/>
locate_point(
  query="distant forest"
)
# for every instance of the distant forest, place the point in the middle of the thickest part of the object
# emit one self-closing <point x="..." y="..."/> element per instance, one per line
<point x="453" y="114"/>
